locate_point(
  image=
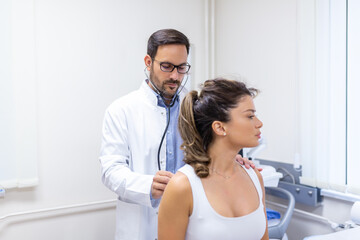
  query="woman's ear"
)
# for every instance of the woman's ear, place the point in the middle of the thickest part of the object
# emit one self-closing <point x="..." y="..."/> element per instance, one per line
<point x="218" y="128"/>
<point x="148" y="61"/>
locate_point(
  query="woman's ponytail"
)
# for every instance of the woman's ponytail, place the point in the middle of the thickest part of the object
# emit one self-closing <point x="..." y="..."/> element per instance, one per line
<point x="194" y="152"/>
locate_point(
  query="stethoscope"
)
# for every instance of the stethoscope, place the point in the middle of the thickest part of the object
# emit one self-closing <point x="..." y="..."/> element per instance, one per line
<point x="168" y="106"/>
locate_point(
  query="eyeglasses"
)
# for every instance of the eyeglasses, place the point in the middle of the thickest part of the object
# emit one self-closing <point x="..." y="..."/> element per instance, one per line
<point x="169" y="67"/>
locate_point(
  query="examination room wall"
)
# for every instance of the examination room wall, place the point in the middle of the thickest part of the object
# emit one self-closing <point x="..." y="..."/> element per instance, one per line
<point x="87" y="54"/>
<point x="262" y="51"/>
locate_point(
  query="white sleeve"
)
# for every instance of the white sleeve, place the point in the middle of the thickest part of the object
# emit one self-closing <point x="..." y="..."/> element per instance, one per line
<point x="131" y="187"/>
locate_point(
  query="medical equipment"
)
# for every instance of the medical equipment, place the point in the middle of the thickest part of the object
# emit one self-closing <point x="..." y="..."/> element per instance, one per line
<point x="355" y="212"/>
<point x="277" y="228"/>
<point x="270" y="175"/>
<point x="343" y="235"/>
<point x="351" y="228"/>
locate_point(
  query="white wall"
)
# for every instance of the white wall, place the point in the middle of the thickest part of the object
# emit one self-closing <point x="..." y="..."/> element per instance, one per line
<point x="87" y="54"/>
<point x="256" y="42"/>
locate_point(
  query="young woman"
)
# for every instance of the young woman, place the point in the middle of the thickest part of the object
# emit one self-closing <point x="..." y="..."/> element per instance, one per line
<point x="212" y="196"/>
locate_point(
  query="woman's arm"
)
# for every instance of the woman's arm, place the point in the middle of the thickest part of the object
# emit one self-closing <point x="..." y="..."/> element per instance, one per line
<point x="266" y="234"/>
<point x="175" y="208"/>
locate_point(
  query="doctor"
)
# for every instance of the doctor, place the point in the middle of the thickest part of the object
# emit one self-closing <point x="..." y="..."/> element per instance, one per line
<point x="140" y="148"/>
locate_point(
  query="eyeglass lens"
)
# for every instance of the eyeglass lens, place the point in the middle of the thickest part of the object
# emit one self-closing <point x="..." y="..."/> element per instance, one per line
<point x="169" y="67"/>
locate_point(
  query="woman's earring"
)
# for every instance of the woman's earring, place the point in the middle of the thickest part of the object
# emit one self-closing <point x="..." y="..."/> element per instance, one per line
<point x="224" y="133"/>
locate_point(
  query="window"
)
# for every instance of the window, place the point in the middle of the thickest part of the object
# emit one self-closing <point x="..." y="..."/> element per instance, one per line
<point x="353" y="97"/>
<point x="329" y="53"/>
<point x="18" y="145"/>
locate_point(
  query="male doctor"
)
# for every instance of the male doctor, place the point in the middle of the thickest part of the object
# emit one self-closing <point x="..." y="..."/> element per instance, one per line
<point x="140" y="148"/>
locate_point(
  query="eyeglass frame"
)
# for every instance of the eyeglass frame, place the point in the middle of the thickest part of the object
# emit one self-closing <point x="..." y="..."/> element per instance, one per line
<point x="174" y="66"/>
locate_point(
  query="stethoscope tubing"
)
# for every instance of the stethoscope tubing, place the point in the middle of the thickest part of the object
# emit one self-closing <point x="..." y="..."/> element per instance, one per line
<point x="168" y="112"/>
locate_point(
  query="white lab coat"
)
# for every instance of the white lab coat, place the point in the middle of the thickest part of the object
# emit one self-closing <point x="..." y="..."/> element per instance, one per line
<point x="132" y="130"/>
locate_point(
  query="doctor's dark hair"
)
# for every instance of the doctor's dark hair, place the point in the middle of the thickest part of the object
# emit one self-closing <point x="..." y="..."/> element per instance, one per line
<point x="164" y="37"/>
<point x="197" y="113"/>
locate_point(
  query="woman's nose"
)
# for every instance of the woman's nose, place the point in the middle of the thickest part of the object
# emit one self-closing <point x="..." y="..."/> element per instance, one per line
<point x="259" y="123"/>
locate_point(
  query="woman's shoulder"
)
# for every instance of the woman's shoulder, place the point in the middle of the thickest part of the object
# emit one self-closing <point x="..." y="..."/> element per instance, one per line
<point x="180" y="182"/>
<point x="178" y="193"/>
<point x="179" y="186"/>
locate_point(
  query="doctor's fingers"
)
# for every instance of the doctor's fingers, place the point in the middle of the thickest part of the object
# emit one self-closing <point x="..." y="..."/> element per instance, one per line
<point x="158" y="186"/>
<point x="165" y="173"/>
<point x="161" y="179"/>
<point x="157" y="189"/>
<point x="156" y="193"/>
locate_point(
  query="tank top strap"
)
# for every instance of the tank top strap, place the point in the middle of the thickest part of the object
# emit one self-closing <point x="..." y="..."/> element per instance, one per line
<point x="188" y="171"/>
<point x="197" y="189"/>
<point x="255" y="179"/>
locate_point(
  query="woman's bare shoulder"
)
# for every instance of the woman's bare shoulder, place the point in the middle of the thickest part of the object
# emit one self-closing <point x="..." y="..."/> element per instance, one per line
<point x="179" y="182"/>
<point x="178" y="195"/>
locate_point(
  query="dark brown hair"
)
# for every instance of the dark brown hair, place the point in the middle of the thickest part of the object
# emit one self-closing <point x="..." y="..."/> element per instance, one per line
<point x="163" y="37"/>
<point x="197" y="113"/>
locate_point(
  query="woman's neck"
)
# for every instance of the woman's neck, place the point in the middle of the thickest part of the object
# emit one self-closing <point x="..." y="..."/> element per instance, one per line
<point x="222" y="158"/>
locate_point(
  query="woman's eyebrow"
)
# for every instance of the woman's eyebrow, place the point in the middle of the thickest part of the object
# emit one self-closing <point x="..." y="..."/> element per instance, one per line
<point x="250" y="110"/>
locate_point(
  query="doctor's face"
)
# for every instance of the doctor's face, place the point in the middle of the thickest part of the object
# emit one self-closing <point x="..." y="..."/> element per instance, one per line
<point x="168" y="82"/>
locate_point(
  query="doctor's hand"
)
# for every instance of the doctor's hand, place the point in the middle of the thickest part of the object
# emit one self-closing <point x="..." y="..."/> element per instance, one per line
<point x="159" y="183"/>
<point x="246" y="162"/>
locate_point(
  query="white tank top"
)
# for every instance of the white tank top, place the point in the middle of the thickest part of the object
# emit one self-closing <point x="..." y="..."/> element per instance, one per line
<point x="206" y="223"/>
